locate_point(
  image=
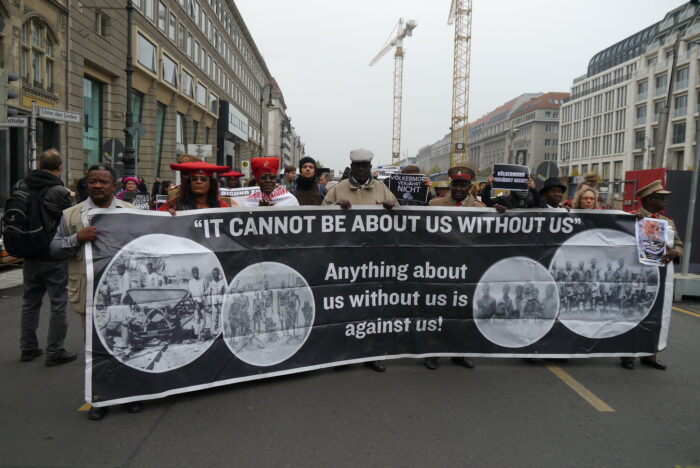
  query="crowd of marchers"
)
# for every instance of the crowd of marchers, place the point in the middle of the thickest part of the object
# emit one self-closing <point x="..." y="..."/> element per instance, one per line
<point x="58" y="267"/>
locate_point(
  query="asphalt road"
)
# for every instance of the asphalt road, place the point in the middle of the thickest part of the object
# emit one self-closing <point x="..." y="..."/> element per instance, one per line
<point x="503" y="413"/>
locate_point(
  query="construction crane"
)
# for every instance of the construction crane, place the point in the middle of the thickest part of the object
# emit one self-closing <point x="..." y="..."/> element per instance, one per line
<point x="400" y="31"/>
<point x="461" y="16"/>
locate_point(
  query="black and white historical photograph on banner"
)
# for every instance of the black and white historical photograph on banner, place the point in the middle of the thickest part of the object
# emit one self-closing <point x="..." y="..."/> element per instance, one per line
<point x="158" y="304"/>
<point x="268" y="313"/>
<point x="604" y="289"/>
<point x="516" y="302"/>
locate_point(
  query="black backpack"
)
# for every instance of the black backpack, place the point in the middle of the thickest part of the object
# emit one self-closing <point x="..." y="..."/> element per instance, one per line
<point x="26" y="228"/>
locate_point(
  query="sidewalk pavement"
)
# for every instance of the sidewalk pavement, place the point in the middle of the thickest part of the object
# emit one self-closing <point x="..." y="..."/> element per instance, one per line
<point x="10" y="277"/>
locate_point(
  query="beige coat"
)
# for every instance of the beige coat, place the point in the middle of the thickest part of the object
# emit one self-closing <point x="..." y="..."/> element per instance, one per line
<point x="374" y="193"/>
<point x="449" y="201"/>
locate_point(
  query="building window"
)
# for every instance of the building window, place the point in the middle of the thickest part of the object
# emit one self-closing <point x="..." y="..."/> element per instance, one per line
<point x="606" y="171"/>
<point x="148" y="9"/>
<point x="642" y="89"/>
<point x="181" y="38"/>
<point x="594" y="168"/>
<point x="638" y="162"/>
<point x="190" y="51"/>
<point x="169" y="71"/>
<point x="172" y="28"/>
<point x="137" y="110"/>
<point x="639" y="137"/>
<point x="641" y="115"/>
<point x="36" y="55"/>
<point x="677" y="162"/>
<point x="162" y="15"/>
<point x="160" y="124"/>
<point x="187" y="84"/>
<point x="92" y="121"/>
<point x="678" y="133"/>
<point x="550" y="142"/>
<point x="201" y="94"/>
<point x="146" y="53"/>
<point x="180" y="130"/>
<point x="618" y="170"/>
<point x="100" y="23"/>
<point x="213" y="103"/>
<point x="681" y="79"/>
<point x="680" y="105"/>
<point x="661" y="85"/>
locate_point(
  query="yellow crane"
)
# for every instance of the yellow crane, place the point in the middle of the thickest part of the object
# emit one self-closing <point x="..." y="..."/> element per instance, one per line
<point x="461" y="16"/>
<point x="398" y="34"/>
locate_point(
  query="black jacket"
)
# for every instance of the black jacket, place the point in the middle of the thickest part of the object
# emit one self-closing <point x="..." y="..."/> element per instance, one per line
<point x="56" y="199"/>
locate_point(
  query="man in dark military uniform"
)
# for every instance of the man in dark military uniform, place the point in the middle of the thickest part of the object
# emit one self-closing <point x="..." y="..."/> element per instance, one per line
<point x="653" y="197"/>
<point x="461" y="180"/>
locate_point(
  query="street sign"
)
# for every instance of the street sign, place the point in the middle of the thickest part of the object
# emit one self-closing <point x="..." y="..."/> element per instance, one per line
<point x="58" y="115"/>
<point x="137" y="130"/>
<point x="113" y="150"/>
<point x="245" y="168"/>
<point x="15" y="122"/>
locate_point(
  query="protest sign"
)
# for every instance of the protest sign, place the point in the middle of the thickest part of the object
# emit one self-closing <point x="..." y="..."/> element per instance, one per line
<point x="246" y="294"/>
<point x="510" y="177"/>
<point x="141" y="201"/>
<point x="651" y="237"/>
<point x="408" y="187"/>
<point x="238" y="194"/>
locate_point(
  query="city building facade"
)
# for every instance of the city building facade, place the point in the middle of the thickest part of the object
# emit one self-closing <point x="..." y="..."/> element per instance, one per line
<point x="199" y="83"/>
<point x="611" y="123"/>
<point x="526" y="126"/>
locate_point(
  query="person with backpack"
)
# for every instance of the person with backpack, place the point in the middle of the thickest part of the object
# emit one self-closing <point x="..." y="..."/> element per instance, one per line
<point x="31" y="218"/>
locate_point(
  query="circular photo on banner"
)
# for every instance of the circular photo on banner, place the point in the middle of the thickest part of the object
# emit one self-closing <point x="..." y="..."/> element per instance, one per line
<point x="158" y="303"/>
<point x="516" y="302"/>
<point x="268" y="313"/>
<point x="603" y="289"/>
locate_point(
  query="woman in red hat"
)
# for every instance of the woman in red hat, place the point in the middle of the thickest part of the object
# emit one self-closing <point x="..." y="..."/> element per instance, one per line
<point x="131" y="184"/>
<point x="233" y="179"/>
<point x="265" y="173"/>
<point x="199" y="188"/>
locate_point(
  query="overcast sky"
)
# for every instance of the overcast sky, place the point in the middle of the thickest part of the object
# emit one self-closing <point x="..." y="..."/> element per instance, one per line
<point x="319" y="52"/>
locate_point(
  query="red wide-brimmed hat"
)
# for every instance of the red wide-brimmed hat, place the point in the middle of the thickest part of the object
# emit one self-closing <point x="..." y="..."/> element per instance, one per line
<point x="261" y="166"/>
<point x="205" y="168"/>
<point x="232" y="174"/>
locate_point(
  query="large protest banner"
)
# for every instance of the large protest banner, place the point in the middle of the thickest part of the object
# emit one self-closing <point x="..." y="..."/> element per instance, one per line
<point x="213" y="297"/>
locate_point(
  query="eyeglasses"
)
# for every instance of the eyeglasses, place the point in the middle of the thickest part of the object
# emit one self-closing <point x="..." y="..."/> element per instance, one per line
<point x="266" y="177"/>
<point x="200" y="178"/>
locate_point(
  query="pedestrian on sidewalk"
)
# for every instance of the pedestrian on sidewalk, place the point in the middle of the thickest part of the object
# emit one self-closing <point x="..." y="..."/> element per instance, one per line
<point x="42" y="273"/>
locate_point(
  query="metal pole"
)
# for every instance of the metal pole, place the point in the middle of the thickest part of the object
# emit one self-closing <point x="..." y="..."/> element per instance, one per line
<point x="691" y="205"/>
<point x="262" y="93"/>
<point x="129" y="169"/>
<point x="69" y="59"/>
<point x="32" y="137"/>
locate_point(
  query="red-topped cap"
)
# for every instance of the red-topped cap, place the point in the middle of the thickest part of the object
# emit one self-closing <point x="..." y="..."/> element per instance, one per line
<point x="205" y="168"/>
<point x="232" y="174"/>
<point x="263" y="165"/>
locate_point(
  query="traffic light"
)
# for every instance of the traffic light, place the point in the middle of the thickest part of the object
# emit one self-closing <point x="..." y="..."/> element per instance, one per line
<point x="5" y="94"/>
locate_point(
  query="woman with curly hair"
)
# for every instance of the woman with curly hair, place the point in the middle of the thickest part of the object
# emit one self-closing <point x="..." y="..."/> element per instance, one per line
<point x="586" y="199"/>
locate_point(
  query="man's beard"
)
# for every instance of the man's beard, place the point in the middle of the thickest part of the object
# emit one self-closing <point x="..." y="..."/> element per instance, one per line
<point x="305" y="182"/>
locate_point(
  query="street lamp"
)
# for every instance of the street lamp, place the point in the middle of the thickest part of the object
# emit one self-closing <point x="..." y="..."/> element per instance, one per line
<point x="270" y="105"/>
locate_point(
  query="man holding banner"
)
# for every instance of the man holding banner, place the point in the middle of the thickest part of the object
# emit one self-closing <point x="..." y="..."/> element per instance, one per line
<point x="459" y="189"/>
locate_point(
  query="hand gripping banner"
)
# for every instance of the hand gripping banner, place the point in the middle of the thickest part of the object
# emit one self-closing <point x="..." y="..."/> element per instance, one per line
<point x="214" y="297"/>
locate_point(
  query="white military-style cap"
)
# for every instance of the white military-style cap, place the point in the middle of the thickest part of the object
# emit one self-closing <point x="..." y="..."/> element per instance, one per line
<point x="361" y="155"/>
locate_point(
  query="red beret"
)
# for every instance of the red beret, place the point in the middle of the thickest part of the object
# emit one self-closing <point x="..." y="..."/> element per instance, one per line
<point x="232" y="174"/>
<point x="205" y="168"/>
<point x="262" y="165"/>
